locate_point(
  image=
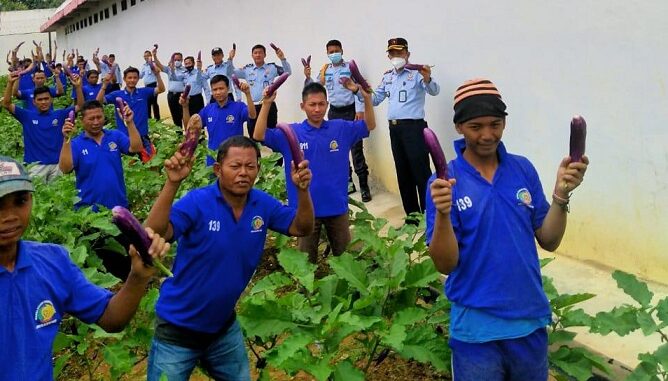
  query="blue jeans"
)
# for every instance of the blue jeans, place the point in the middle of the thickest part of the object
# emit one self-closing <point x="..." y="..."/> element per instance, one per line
<point x="521" y="359"/>
<point x="225" y="359"/>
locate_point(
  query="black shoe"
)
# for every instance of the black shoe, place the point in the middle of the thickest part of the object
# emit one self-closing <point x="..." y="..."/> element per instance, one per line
<point x="366" y="194"/>
<point x="351" y="187"/>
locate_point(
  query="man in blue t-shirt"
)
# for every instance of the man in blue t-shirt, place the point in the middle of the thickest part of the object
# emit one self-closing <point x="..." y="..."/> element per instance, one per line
<point x="39" y="79"/>
<point x="39" y="286"/>
<point x="221" y="231"/>
<point x="224" y="117"/>
<point x="138" y="99"/>
<point x="481" y="232"/>
<point x="90" y="86"/>
<point x="41" y="128"/>
<point x="325" y="144"/>
<point x="95" y="156"/>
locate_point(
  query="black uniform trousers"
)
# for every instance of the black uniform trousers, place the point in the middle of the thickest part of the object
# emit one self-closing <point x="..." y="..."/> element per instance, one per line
<point x="175" y="108"/>
<point x="153" y="103"/>
<point x="272" y="118"/>
<point x="357" y="150"/>
<point x="411" y="162"/>
<point x="195" y="103"/>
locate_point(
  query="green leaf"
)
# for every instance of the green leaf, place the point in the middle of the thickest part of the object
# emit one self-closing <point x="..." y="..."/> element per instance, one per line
<point x="395" y="336"/>
<point x="421" y="274"/>
<point x="565" y="300"/>
<point x="352" y="270"/>
<point x="633" y="287"/>
<point x="120" y="360"/>
<point x="319" y="369"/>
<point x="576" y="318"/>
<point x="291" y="345"/>
<point x="265" y="320"/>
<point x="105" y="280"/>
<point x="662" y="355"/>
<point x="645" y="371"/>
<point x="398" y="265"/>
<point x="410" y="315"/>
<point x="621" y="320"/>
<point x="358" y="322"/>
<point x="662" y="310"/>
<point x="548" y="286"/>
<point x="270" y="283"/>
<point x="60" y="363"/>
<point x="424" y="345"/>
<point x="296" y="263"/>
<point x="79" y="255"/>
<point x="546" y="261"/>
<point x="346" y="371"/>
<point x="560" y="336"/>
<point x="646" y="322"/>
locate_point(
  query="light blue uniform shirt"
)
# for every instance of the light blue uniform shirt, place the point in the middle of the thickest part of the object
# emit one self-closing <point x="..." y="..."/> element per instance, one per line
<point x="176" y="77"/>
<point x="225" y="68"/>
<point x="406" y="91"/>
<point x="104" y="70"/>
<point x="259" y="77"/>
<point x="196" y="80"/>
<point x="146" y="74"/>
<point x="337" y="94"/>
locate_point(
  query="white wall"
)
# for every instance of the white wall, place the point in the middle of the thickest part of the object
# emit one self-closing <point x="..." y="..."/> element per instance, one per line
<point x="20" y="26"/>
<point x="550" y="60"/>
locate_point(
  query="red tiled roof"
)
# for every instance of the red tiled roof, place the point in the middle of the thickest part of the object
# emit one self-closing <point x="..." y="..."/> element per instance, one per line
<point x="60" y="14"/>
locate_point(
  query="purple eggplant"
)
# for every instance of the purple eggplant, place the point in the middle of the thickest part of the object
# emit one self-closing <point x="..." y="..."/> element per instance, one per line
<point x="236" y="81"/>
<point x="436" y="152"/>
<point x="120" y="104"/>
<point x="132" y="229"/>
<point x="155" y="46"/>
<point x="193" y="131"/>
<point x="19" y="45"/>
<point x="273" y="46"/>
<point x="199" y="56"/>
<point x="293" y="142"/>
<point x="68" y="72"/>
<point x="411" y="66"/>
<point x="186" y="92"/>
<point x="578" y="138"/>
<point x="35" y="43"/>
<point x="357" y="76"/>
<point x="152" y="65"/>
<point x="277" y="83"/>
<point x="234" y="45"/>
<point x="304" y="63"/>
<point x="71" y="116"/>
<point x="308" y="60"/>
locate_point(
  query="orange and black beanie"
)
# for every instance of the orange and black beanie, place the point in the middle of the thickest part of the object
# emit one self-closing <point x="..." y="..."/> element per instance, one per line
<point x="475" y="98"/>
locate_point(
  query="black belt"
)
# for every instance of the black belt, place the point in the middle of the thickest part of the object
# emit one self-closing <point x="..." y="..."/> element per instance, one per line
<point x="397" y="122"/>
<point x="184" y="337"/>
<point x="175" y="92"/>
<point x="342" y="108"/>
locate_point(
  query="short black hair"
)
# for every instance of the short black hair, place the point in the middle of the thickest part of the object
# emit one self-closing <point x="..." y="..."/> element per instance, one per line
<point x="38" y="71"/>
<point x="112" y="55"/>
<point x="313" y="88"/>
<point x="189" y="58"/>
<point x="129" y="70"/>
<point x="177" y="54"/>
<point x="333" y="43"/>
<point x="91" y="105"/>
<point x="220" y="78"/>
<point x="259" y="46"/>
<point x="59" y="64"/>
<point x="236" y="141"/>
<point x="41" y="90"/>
<point x="92" y="71"/>
<point x="147" y="51"/>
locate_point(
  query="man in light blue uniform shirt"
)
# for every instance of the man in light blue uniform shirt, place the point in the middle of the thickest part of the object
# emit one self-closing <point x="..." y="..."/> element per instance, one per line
<point x="146" y="73"/>
<point x="195" y="78"/>
<point x="113" y="67"/>
<point x="259" y="75"/>
<point x="220" y="68"/>
<point x="343" y="104"/>
<point x="176" y="75"/>
<point x="406" y="89"/>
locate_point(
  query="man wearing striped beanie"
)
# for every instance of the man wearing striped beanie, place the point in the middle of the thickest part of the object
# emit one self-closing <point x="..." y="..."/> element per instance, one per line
<point x="481" y="232"/>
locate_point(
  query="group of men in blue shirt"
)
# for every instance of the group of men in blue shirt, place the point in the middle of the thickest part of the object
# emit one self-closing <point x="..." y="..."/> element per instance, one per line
<point x="481" y="222"/>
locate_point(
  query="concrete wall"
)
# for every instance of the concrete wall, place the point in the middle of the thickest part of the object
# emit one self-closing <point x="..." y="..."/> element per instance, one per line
<point x="20" y="26"/>
<point x="604" y="60"/>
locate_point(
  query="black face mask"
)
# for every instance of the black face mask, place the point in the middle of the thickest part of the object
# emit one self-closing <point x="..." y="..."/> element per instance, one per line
<point x="189" y="69"/>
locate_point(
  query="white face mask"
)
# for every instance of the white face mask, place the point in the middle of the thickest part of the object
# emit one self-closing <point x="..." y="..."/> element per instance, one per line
<point x="177" y="63"/>
<point x="398" y="62"/>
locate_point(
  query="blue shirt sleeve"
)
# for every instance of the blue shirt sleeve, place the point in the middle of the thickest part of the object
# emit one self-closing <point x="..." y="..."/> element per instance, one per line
<point x="184" y="214"/>
<point x="22" y="115"/>
<point x="273" y="138"/>
<point x="540" y="203"/>
<point x="360" y="130"/>
<point x="86" y="301"/>
<point x="122" y="140"/>
<point x="76" y="152"/>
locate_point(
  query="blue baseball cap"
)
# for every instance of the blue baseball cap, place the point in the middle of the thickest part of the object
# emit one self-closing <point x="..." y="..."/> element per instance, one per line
<point x="13" y="177"/>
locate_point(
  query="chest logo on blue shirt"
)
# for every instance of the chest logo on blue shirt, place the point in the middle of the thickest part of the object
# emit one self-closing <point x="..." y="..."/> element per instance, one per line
<point x="333" y="146"/>
<point x="524" y="197"/>
<point x="256" y="224"/>
<point x="54" y="122"/>
<point x="229" y="119"/>
<point x="45" y="314"/>
<point x="35" y="122"/>
<point x="113" y="146"/>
